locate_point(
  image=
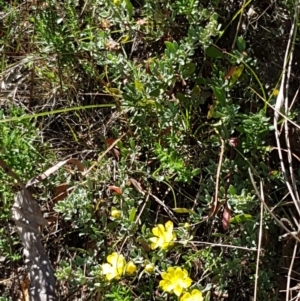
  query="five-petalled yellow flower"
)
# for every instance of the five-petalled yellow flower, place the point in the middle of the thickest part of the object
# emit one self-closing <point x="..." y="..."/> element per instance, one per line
<point x="117" y="267"/>
<point x="175" y="280"/>
<point x="164" y="236"/>
<point x="195" y="295"/>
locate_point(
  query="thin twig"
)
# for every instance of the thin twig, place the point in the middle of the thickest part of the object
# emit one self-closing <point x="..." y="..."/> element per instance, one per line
<point x="259" y="242"/>
<point x="215" y="205"/>
<point x="238" y="25"/>
<point x="290" y="272"/>
<point x="222" y="245"/>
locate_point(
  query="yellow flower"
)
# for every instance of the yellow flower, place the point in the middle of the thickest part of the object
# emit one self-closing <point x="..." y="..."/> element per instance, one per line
<point x="115" y="213"/>
<point x="195" y="295"/>
<point x="175" y="280"/>
<point x="164" y="236"/>
<point x="149" y="268"/>
<point x="117" y="267"/>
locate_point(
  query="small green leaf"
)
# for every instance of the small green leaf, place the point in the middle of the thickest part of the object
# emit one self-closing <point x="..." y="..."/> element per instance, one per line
<point x="241" y="44"/>
<point x="211" y="111"/>
<point x="132" y="214"/>
<point x="188" y="69"/>
<point x="231" y="190"/>
<point x="181" y="97"/>
<point x="170" y="46"/>
<point x="241" y="218"/>
<point x="132" y="143"/>
<point x="155" y="92"/>
<point x="200" y="81"/>
<point x="220" y="95"/>
<point x="214" y="52"/>
<point x="195" y="171"/>
<point x="236" y="74"/>
<point x="129" y="8"/>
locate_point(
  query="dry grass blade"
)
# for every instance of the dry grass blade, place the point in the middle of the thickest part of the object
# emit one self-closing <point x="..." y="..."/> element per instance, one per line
<point x="288" y="290"/>
<point x="259" y="242"/>
<point x="54" y="168"/>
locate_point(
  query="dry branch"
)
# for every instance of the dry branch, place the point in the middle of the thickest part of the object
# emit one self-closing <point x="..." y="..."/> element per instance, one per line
<point x="28" y="218"/>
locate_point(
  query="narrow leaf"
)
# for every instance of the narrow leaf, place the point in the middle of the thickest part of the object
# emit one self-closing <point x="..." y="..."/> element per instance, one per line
<point x="137" y="185"/>
<point x="241" y="44"/>
<point x="170" y="46"/>
<point x="132" y="214"/>
<point x="129" y="8"/>
<point x="241" y="218"/>
<point x="236" y="74"/>
<point x="230" y="72"/>
<point x="220" y="95"/>
<point x="183" y="210"/>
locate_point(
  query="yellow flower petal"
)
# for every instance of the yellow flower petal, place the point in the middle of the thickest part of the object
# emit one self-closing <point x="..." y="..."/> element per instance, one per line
<point x="106" y="268"/>
<point x="169" y="226"/>
<point x="115" y="266"/>
<point x="167" y="286"/>
<point x="112" y="258"/>
<point x="178" y="290"/>
<point x="159" y="230"/>
<point x="155" y="242"/>
<point x="171" y="270"/>
<point x="165" y="275"/>
<point x="109" y="272"/>
<point x="196" y="295"/>
<point x="186" y="282"/>
<point x="111" y="276"/>
<point x="186" y="297"/>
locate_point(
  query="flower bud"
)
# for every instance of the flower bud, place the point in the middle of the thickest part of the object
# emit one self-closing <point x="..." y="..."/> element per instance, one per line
<point x="187" y="226"/>
<point x="130" y="268"/>
<point x="115" y="213"/>
<point x="149" y="268"/>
